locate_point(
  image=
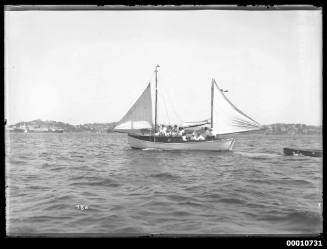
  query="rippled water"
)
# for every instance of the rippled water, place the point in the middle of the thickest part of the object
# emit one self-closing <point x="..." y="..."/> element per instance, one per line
<point x="253" y="190"/>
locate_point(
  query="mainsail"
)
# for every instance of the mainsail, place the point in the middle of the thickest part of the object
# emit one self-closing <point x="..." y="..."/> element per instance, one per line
<point x="227" y="118"/>
<point x="139" y="115"/>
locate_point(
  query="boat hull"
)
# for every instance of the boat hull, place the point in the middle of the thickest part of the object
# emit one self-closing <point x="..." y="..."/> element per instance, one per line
<point x="221" y="144"/>
<point x="298" y="152"/>
<point x="45" y="131"/>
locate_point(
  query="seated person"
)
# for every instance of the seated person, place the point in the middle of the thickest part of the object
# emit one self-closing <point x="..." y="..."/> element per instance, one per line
<point x="193" y="136"/>
<point x="211" y="135"/>
<point x="175" y="131"/>
<point x="169" y="131"/>
<point x="196" y="136"/>
<point x="181" y="131"/>
<point x="158" y="130"/>
<point x="207" y="133"/>
<point x="184" y="137"/>
<point x="188" y="136"/>
<point x="199" y="137"/>
<point x="163" y="131"/>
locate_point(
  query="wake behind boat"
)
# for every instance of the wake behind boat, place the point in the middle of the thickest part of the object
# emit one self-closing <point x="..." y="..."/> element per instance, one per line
<point x="225" y="118"/>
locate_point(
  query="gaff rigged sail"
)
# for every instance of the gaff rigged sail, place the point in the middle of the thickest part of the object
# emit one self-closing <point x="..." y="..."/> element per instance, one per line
<point x="227" y="118"/>
<point x="139" y="115"/>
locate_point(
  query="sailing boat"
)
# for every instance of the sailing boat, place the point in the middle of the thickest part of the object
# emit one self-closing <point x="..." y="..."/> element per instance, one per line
<point x="225" y="119"/>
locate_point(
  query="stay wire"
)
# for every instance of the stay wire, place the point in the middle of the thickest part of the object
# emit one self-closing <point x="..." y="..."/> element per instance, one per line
<point x="173" y="106"/>
<point x="166" y="109"/>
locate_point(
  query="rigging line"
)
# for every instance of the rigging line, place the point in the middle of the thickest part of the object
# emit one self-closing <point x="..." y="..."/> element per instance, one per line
<point x="162" y="100"/>
<point x="151" y="76"/>
<point x="232" y="105"/>
<point x="150" y="82"/>
<point x="245" y="122"/>
<point x="173" y="107"/>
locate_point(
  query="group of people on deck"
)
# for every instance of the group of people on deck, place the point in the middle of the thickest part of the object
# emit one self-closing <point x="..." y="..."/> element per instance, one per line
<point x="175" y="131"/>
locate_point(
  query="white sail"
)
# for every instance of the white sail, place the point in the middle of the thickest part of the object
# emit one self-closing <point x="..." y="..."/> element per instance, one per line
<point x="139" y="115"/>
<point x="227" y="118"/>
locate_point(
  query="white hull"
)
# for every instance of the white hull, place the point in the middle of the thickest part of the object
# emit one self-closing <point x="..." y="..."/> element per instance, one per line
<point x="223" y="144"/>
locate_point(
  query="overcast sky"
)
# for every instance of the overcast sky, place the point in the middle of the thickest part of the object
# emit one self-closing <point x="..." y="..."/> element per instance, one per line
<point x="91" y="66"/>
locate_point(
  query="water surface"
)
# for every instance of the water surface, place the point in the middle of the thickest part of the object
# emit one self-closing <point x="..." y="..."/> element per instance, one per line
<point x="253" y="190"/>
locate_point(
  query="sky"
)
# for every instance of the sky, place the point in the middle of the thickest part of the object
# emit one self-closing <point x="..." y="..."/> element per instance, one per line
<point x="91" y="66"/>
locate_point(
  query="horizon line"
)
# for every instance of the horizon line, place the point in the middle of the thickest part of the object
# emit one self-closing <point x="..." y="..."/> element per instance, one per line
<point x="7" y="124"/>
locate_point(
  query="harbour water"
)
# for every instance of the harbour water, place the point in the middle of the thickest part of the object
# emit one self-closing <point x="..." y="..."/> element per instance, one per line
<point x="95" y="183"/>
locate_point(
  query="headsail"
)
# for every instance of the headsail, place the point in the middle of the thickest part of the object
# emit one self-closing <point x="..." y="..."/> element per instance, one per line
<point x="227" y="118"/>
<point x="139" y="115"/>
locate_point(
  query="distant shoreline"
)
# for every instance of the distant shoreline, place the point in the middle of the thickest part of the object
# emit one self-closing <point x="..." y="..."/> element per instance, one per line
<point x="270" y="129"/>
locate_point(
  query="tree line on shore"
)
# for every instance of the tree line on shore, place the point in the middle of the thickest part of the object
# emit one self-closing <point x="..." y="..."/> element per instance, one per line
<point x="273" y="129"/>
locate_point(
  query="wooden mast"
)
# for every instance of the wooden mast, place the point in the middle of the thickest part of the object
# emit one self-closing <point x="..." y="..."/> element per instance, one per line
<point x="212" y="94"/>
<point x="156" y="102"/>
